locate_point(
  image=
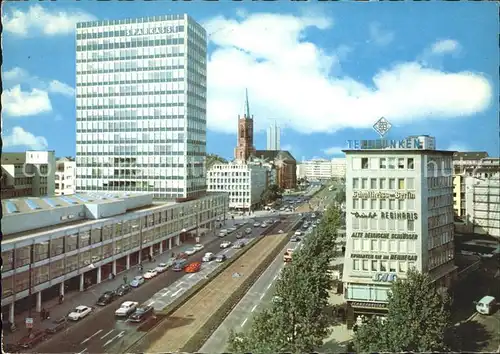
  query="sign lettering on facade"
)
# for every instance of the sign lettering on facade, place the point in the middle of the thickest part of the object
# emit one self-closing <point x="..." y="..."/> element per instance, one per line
<point x="383" y="195"/>
<point x="385" y="277"/>
<point x="384" y="235"/>
<point x="398" y="215"/>
<point x="391" y="257"/>
<point x="403" y="144"/>
<point x="364" y="215"/>
<point x="148" y="31"/>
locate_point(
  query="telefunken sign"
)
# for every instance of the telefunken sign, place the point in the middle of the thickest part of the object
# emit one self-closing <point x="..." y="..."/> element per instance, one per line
<point x="156" y="30"/>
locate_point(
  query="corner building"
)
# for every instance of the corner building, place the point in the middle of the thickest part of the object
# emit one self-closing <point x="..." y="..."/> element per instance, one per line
<point x="399" y="215"/>
<point x="141" y="106"/>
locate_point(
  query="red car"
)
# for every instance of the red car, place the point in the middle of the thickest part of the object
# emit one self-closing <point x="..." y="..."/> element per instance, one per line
<point x="193" y="267"/>
<point x="30" y="341"/>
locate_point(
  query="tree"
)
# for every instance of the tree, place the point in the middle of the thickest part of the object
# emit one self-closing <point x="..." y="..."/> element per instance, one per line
<point x="271" y="193"/>
<point x="212" y="159"/>
<point x="417" y="320"/>
<point x="297" y="323"/>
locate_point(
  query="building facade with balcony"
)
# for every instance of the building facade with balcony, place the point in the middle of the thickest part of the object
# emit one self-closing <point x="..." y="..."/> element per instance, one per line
<point x="243" y="182"/>
<point x="29" y="173"/>
<point x="65" y="176"/>
<point x="399" y="215"/>
<point x="71" y="242"/>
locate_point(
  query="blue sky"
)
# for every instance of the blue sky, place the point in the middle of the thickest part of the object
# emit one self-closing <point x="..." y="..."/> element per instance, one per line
<point x="324" y="71"/>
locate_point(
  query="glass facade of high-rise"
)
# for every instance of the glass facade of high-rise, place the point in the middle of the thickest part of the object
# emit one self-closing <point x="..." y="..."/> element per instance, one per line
<point x="141" y="106"/>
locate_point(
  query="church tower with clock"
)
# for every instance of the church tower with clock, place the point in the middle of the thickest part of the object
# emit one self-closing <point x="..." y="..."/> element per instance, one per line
<point x="245" y="147"/>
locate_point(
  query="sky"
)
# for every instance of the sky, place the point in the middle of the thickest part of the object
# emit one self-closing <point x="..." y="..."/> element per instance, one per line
<point x="325" y="72"/>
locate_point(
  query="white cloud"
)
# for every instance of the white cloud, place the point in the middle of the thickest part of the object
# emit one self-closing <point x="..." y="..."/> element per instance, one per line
<point x="445" y="46"/>
<point x="379" y="36"/>
<point x="56" y="86"/>
<point x="40" y="20"/>
<point x="458" y="147"/>
<point x="290" y="80"/>
<point x="21" y="138"/>
<point x="18" y="103"/>
<point x="334" y="151"/>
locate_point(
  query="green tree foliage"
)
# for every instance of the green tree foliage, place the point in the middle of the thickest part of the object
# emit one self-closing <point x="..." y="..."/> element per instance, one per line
<point x="417" y="320"/>
<point x="297" y="322"/>
<point x="271" y="193"/>
<point x="212" y="159"/>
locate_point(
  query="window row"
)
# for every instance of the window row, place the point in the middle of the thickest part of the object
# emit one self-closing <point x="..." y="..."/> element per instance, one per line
<point x="374" y="224"/>
<point x="383" y="204"/>
<point x="377" y="245"/>
<point x="384" y="183"/>
<point x="366" y="265"/>
<point x="383" y="163"/>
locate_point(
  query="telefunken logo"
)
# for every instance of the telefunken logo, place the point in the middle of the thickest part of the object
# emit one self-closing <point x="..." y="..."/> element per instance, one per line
<point x="157" y="30"/>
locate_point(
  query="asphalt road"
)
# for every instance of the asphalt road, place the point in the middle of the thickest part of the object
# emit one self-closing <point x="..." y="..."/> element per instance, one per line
<point x="257" y="298"/>
<point x="100" y="331"/>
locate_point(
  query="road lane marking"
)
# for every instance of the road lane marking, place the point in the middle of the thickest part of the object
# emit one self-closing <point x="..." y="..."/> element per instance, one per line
<point x="275" y="277"/>
<point x="112" y="339"/>
<point x="177" y="292"/>
<point x="192" y="275"/>
<point x="149" y="304"/>
<point x="83" y="351"/>
<point x="168" y="292"/>
<point x="269" y="286"/>
<point x="107" y="334"/>
<point x="253" y="308"/>
<point x="262" y="296"/>
<point x="226" y="251"/>
<point x="243" y="323"/>
<point x="89" y="338"/>
<point x="180" y="284"/>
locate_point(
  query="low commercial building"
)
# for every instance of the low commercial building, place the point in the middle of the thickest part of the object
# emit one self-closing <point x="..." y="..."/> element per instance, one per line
<point x="399" y="215"/>
<point x="65" y="177"/>
<point x="71" y="242"/>
<point x="322" y="169"/>
<point x="29" y="173"/>
<point x="243" y="182"/>
<point x="284" y="164"/>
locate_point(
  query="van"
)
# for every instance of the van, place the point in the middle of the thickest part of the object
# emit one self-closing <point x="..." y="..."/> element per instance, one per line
<point x="486" y="306"/>
<point x="179" y="265"/>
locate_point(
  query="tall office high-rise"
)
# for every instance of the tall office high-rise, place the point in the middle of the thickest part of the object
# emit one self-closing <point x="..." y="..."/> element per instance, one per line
<point x="273" y="137"/>
<point x="141" y="106"/>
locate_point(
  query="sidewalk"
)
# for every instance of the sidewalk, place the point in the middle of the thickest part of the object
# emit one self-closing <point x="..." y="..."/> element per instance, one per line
<point x="89" y="296"/>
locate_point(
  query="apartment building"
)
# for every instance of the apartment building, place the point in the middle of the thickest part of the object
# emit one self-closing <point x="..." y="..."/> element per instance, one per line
<point x="399" y="215"/>
<point x="243" y="182"/>
<point x="71" y="242"/>
<point x="65" y="176"/>
<point x="29" y="173"/>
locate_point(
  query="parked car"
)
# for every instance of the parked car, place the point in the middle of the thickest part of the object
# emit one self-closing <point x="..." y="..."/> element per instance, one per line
<point x="59" y="325"/>
<point x="123" y="289"/>
<point x="198" y="247"/>
<point x="295" y="239"/>
<point x="79" y="312"/>
<point x="137" y="281"/>
<point x="193" y="267"/>
<point x="126" y="309"/>
<point x="29" y="341"/>
<point x="221" y="258"/>
<point x="179" y="265"/>
<point x="225" y="244"/>
<point x="248" y="231"/>
<point x="181" y="255"/>
<point x="162" y="267"/>
<point x="190" y="251"/>
<point x="208" y="257"/>
<point x="257" y="224"/>
<point x="298" y="233"/>
<point x="106" y="298"/>
<point x="142" y="313"/>
<point x="151" y="273"/>
<point x="239" y="235"/>
<point x="263" y="225"/>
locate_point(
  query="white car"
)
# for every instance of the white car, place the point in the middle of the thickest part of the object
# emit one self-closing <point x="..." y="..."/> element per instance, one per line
<point x="151" y="273"/>
<point x="190" y="251"/>
<point x="126" y="309"/>
<point x="298" y="233"/>
<point x="198" y="247"/>
<point x="162" y="267"/>
<point x="256" y="224"/>
<point x="208" y="257"/>
<point x="225" y="244"/>
<point x="248" y="231"/>
<point x="79" y="312"/>
<point x="263" y="224"/>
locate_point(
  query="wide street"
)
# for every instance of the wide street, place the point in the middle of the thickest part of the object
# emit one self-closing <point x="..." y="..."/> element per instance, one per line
<point x="257" y="298"/>
<point x="100" y="330"/>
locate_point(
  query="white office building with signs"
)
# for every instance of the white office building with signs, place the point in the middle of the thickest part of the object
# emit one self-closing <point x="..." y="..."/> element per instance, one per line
<point x="68" y="243"/>
<point x="399" y="216"/>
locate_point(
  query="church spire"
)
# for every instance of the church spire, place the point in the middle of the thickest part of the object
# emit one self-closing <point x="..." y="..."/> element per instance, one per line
<point x="247" y="105"/>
